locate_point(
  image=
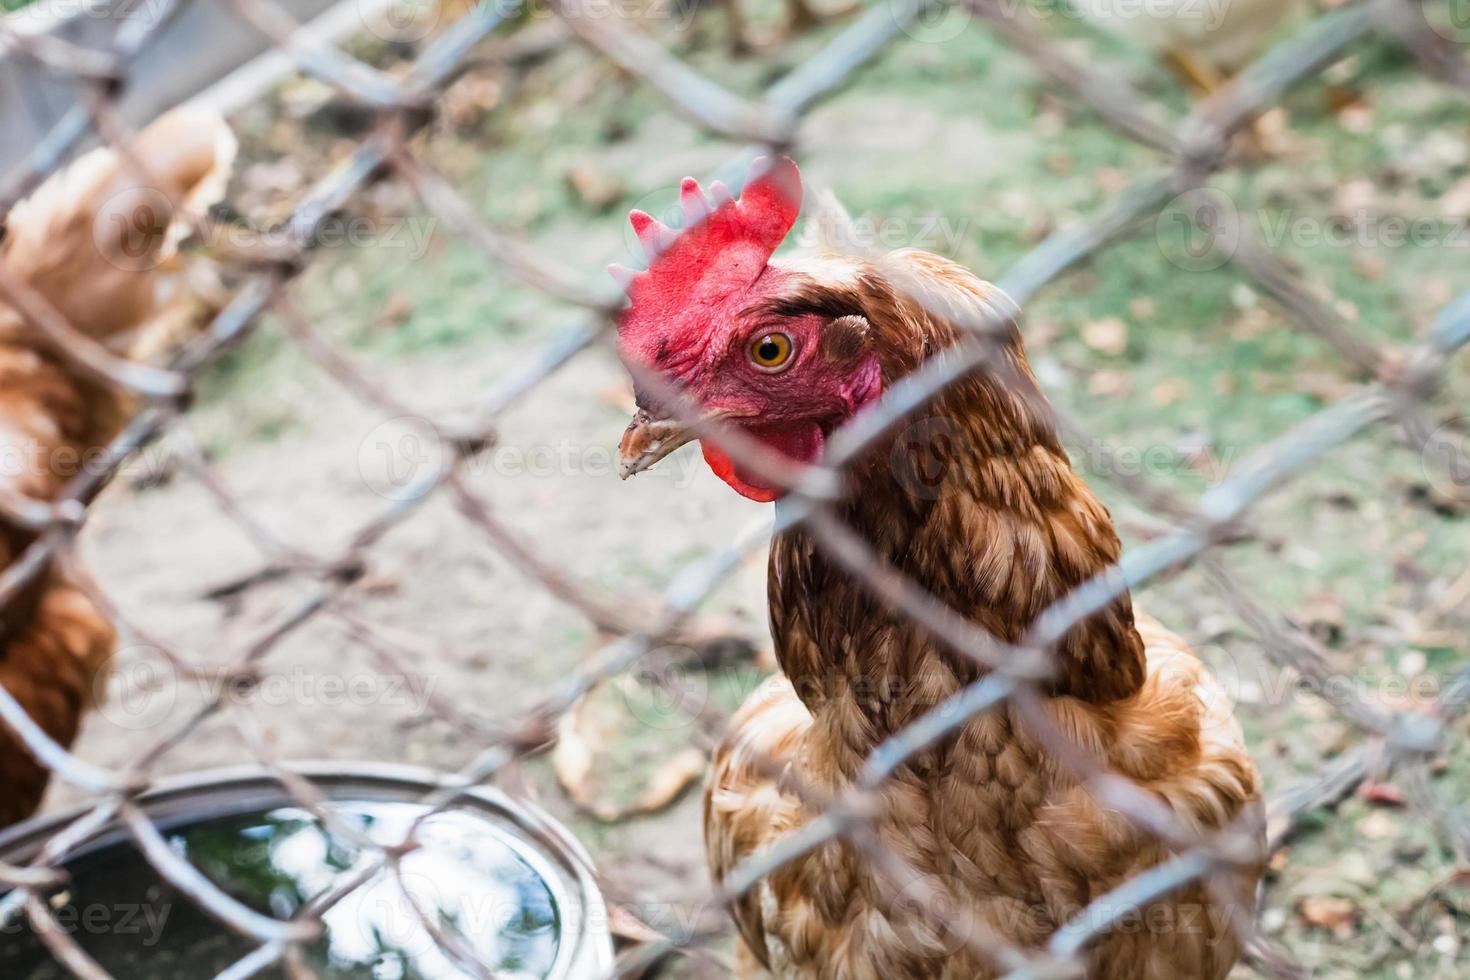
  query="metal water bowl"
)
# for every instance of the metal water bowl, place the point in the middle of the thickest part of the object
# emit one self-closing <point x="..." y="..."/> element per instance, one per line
<point x="509" y="891"/>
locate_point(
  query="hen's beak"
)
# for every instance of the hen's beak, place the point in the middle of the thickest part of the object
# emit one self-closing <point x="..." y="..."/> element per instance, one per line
<point x="648" y="440"/>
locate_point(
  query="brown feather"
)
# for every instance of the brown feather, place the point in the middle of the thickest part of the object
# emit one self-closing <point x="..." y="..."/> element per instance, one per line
<point x="98" y="243"/>
<point x="999" y="528"/>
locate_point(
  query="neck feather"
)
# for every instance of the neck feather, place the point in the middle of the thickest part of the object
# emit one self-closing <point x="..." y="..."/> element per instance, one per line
<point x="975" y="501"/>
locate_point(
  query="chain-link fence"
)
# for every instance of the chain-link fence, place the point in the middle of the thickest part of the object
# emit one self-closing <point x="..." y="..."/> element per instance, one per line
<point x="1395" y="385"/>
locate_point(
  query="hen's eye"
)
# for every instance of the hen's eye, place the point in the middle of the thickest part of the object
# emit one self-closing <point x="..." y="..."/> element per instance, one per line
<point x="771" y="351"/>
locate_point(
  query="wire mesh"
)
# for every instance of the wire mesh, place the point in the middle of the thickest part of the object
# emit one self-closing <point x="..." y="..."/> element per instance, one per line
<point x="1395" y="385"/>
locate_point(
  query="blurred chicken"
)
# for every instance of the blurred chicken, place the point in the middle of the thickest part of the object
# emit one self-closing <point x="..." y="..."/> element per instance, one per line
<point x="974" y="500"/>
<point x="99" y="243"/>
<point x="1203" y="42"/>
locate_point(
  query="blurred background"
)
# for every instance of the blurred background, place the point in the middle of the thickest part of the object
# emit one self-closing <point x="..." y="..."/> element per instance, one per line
<point x="951" y="140"/>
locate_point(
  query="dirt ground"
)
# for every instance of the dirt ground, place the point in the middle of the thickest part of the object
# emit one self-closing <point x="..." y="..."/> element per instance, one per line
<point x="557" y="149"/>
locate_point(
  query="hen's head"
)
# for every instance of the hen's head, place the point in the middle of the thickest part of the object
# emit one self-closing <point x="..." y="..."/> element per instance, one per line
<point x="710" y="318"/>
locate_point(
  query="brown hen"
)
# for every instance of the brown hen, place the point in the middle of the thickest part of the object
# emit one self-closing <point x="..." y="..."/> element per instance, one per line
<point x="98" y="244"/>
<point x="975" y="500"/>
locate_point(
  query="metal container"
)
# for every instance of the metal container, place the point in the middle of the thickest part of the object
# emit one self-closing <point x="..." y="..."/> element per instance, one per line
<point x="243" y="804"/>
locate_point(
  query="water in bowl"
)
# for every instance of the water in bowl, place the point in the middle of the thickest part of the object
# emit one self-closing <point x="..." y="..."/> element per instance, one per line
<point x="472" y="881"/>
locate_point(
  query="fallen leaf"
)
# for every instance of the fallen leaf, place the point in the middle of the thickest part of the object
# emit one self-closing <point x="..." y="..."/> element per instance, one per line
<point x="1356" y="119"/>
<point x="1455" y="202"/>
<point x="1109" y="384"/>
<point x="669" y="781"/>
<point x="1370" y="267"/>
<point x="467" y="101"/>
<point x="624" y="924"/>
<point x="1378" y="825"/>
<point x="1112" y="179"/>
<point x="1168" y="392"/>
<point x="1108" y="335"/>
<point x="1143" y="307"/>
<point x="1328" y="912"/>
<point x="1323" y="616"/>
<point x="594" y="186"/>
<point x="396" y="309"/>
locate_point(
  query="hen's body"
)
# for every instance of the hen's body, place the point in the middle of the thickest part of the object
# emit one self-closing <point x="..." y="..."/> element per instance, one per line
<point x="97" y="243"/>
<point x="994" y="523"/>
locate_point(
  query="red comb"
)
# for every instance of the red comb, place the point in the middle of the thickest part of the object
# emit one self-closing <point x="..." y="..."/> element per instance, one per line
<point x="723" y="248"/>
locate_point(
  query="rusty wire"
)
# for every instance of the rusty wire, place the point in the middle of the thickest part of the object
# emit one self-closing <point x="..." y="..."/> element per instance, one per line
<point x="1193" y="148"/>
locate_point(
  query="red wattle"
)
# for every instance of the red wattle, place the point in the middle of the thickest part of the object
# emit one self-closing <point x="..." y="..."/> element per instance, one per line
<point x="801" y="442"/>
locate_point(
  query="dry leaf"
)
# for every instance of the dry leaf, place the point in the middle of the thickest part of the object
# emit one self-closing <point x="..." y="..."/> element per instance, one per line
<point x="1378" y="825"/>
<point x="1169" y="392"/>
<point x="1455" y="203"/>
<point x="671" y="779"/>
<point x="1356" y="119"/>
<point x="572" y="757"/>
<point x="1354" y="197"/>
<point x="573" y="761"/>
<point x="624" y="924"/>
<point x="1109" y="384"/>
<point x="1143" y="307"/>
<point x="1370" y="267"/>
<point x="1108" y="335"/>
<point x="1112" y="179"/>
<point x="1329" y="912"/>
<point x="396" y="309"/>
<point x="595" y="187"/>
<point x="468" y="101"/>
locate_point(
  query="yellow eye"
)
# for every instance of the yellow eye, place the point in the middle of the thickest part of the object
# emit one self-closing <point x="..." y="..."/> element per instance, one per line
<point x="771" y="351"/>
